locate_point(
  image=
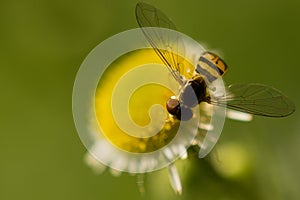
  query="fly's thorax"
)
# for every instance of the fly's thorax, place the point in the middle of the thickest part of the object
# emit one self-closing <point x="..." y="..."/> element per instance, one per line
<point x="193" y="92"/>
<point x="210" y="66"/>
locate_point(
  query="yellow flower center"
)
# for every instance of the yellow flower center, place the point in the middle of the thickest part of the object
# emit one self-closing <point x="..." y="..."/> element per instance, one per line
<point x="147" y="127"/>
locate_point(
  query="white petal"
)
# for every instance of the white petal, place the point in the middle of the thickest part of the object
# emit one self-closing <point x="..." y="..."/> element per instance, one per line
<point x="205" y="126"/>
<point x="115" y="172"/>
<point x="175" y="179"/>
<point x="237" y="115"/>
<point x="183" y="152"/>
<point x="93" y="163"/>
<point x="140" y="183"/>
<point x="168" y="153"/>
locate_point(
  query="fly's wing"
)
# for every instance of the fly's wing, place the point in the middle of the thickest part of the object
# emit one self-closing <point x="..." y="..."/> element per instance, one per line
<point x="255" y="99"/>
<point x="167" y="46"/>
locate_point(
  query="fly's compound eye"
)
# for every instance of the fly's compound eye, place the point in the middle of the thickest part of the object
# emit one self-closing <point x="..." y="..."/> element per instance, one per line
<point x="173" y="106"/>
<point x="180" y="112"/>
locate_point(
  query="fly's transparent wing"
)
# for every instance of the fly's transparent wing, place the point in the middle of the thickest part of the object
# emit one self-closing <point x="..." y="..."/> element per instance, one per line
<point x="149" y="16"/>
<point x="167" y="46"/>
<point x="255" y="99"/>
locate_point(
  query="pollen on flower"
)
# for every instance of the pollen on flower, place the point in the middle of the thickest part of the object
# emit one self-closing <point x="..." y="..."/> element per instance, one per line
<point x="168" y="127"/>
<point x="142" y="146"/>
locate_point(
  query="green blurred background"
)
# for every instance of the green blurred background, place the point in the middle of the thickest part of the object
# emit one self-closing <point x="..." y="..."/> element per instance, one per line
<point x="42" y="44"/>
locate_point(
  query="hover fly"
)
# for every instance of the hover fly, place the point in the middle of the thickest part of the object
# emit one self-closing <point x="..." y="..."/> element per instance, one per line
<point x="257" y="99"/>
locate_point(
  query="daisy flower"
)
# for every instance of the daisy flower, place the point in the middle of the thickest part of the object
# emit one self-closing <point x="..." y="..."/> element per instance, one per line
<point x="128" y="128"/>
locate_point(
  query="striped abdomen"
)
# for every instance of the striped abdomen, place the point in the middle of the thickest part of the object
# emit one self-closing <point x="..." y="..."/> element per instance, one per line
<point x="210" y="66"/>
